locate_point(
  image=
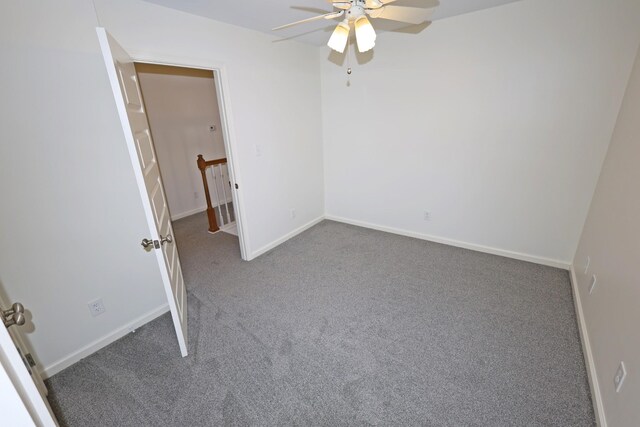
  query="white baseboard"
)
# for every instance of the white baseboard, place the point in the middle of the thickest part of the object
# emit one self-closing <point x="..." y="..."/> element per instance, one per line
<point x="565" y="265"/>
<point x="284" y="238"/>
<point x="187" y="213"/>
<point x="96" y="345"/>
<point x="598" y="405"/>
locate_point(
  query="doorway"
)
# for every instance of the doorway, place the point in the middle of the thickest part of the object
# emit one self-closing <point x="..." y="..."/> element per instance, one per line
<point x="188" y="131"/>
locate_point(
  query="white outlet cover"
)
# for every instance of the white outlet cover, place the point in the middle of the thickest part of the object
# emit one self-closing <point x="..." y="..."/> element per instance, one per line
<point x="619" y="377"/>
<point x="96" y="307"/>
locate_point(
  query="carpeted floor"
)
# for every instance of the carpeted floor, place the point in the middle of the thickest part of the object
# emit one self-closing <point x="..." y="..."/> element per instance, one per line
<point x="343" y="326"/>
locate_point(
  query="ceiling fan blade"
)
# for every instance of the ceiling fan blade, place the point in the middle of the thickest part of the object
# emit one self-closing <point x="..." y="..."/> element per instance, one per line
<point x="329" y="15"/>
<point x="414" y="3"/>
<point x="341" y="4"/>
<point x="376" y="4"/>
<point x="411" y="15"/>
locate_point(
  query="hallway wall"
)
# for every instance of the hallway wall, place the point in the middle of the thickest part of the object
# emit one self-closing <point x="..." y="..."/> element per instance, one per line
<point x="181" y="108"/>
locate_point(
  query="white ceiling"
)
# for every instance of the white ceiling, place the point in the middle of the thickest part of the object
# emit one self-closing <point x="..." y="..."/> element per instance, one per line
<point x="263" y="15"/>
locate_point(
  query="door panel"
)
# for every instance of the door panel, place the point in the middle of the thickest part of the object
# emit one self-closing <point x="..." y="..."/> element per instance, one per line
<point x="127" y="94"/>
<point x="147" y="156"/>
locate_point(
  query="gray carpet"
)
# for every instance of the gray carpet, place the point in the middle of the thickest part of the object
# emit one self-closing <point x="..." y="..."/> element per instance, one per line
<point x="343" y="326"/>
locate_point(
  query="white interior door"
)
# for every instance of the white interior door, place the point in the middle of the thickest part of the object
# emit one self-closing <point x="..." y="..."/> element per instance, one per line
<point x="21" y="400"/>
<point x="128" y="97"/>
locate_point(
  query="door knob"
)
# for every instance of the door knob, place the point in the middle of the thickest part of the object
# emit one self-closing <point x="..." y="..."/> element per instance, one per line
<point x="147" y="244"/>
<point x="167" y="239"/>
<point x="14" y="315"/>
<point x="15" y="308"/>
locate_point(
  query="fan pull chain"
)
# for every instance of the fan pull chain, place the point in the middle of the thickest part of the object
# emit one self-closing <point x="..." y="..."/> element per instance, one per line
<point x="348" y="63"/>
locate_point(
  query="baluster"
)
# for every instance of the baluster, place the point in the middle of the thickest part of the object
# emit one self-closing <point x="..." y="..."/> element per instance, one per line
<point x="224" y="192"/>
<point x="213" y="172"/>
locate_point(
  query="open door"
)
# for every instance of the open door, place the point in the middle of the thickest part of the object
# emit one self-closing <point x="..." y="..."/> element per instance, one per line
<point x="126" y="90"/>
<point x="22" y="392"/>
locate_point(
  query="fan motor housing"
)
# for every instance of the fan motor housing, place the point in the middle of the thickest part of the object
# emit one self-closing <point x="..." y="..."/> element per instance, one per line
<point x="356" y="11"/>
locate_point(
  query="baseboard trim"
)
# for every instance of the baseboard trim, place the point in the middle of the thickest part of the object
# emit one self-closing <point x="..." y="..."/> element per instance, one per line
<point x="565" y="265"/>
<point x="187" y="213"/>
<point x="96" y="345"/>
<point x="598" y="404"/>
<point x="284" y="238"/>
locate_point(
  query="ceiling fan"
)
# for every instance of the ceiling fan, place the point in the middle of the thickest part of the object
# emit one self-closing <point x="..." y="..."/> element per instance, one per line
<point x="355" y="13"/>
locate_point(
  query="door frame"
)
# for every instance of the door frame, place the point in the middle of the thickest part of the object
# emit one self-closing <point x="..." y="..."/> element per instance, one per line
<point x="226" y="118"/>
<point x="17" y="383"/>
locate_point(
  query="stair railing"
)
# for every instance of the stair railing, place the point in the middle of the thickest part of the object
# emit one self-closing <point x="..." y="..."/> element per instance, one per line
<point x="220" y="179"/>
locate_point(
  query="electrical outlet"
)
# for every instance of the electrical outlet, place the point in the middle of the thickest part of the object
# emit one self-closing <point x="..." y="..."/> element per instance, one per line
<point x="594" y="280"/>
<point x="427" y="216"/>
<point x="619" y="377"/>
<point x="96" y="307"/>
<point x="586" y="265"/>
<point x="293" y="213"/>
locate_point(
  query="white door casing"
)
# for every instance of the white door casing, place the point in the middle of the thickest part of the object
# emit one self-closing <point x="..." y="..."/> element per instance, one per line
<point x="21" y="401"/>
<point x="18" y="339"/>
<point x="133" y="117"/>
<point x="222" y="91"/>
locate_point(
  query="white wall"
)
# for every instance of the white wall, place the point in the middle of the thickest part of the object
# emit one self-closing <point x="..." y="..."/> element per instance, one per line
<point x="71" y="219"/>
<point x="274" y="97"/>
<point x="496" y="122"/>
<point x="611" y="239"/>
<point x="181" y="108"/>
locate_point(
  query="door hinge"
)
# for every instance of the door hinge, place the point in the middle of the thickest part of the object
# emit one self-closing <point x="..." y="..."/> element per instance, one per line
<point x="27" y="364"/>
<point x="30" y="359"/>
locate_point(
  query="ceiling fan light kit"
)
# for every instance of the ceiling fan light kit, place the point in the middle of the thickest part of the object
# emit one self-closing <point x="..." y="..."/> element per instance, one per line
<point x="355" y="12"/>
<point x="365" y="35"/>
<point x="339" y="38"/>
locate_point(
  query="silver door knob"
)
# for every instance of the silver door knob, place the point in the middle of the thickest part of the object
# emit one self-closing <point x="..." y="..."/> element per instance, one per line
<point x="14" y="315"/>
<point x="150" y="244"/>
<point x="15" y="308"/>
<point x="167" y="239"/>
